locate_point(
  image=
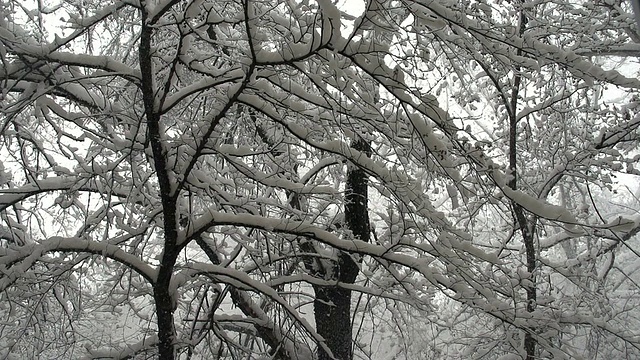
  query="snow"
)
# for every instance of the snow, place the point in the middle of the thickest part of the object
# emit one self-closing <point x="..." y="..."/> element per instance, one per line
<point x="331" y="20"/>
<point x="241" y="280"/>
<point x="127" y="352"/>
<point x="443" y="263"/>
<point x="288" y="54"/>
<point x="221" y="79"/>
<point x="323" y="163"/>
<point x="623" y="225"/>
<point x="276" y="181"/>
<point x="425" y="17"/>
<point x="393" y="179"/>
<point x="290" y="88"/>
<point x="96" y="62"/>
<point x="156" y="9"/>
<point x="307" y="229"/>
<point x="540" y="207"/>
<point x="566" y="234"/>
<point x="18" y="261"/>
<point x="14" y="195"/>
<point x="500" y="44"/>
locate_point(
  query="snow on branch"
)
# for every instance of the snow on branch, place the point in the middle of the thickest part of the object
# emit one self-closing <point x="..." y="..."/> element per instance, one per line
<point x="499" y="43"/>
<point x="12" y="196"/>
<point x="15" y="262"/>
<point x="128" y="352"/>
<point x="242" y="281"/>
<point x="614" y="135"/>
<point x="351" y="246"/>
<point x="619" y="228"/>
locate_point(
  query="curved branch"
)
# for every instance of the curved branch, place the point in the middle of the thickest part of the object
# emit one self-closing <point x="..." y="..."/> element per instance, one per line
<point x="18" y="261"/>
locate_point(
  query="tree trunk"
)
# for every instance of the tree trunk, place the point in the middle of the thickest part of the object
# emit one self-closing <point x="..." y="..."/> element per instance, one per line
<point x="161" y="294"/>
<point x="527" y="227"/>
<point x="332" y="306"/>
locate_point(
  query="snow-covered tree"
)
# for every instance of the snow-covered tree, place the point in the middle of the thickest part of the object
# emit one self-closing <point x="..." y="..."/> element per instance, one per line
<point x="297" y="180"/>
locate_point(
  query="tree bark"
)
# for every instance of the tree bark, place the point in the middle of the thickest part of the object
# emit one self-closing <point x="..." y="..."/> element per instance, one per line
<point x="527" y="227"/>
<point x="161" y="293"/>
<point x="332" y="305"/>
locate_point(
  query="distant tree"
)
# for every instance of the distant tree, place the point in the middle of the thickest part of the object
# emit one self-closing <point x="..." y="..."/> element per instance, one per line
<point x="276" y="179"/>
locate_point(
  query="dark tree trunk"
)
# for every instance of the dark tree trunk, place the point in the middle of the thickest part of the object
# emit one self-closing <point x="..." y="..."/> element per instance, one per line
<point x="527" y="227"/>
<point x="332" y="309"/>
<point x="332" y="306"/>
<point x="164" y="314"/>
<point x="161" y="294"/>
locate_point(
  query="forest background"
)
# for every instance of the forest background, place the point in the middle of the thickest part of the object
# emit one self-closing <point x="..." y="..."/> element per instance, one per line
<point x="317" y="180"/>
